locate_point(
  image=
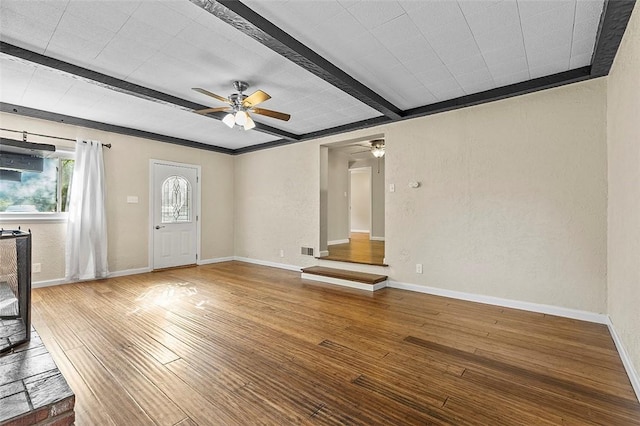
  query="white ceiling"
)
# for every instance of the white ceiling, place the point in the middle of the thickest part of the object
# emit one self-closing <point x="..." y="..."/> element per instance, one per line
<point x="412" y="53"/>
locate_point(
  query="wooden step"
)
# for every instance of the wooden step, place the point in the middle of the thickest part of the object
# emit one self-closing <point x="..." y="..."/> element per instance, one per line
<point x="353" y="279"/>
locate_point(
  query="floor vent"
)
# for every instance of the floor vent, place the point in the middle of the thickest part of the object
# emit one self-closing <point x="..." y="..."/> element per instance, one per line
<point x="307" y="251"/>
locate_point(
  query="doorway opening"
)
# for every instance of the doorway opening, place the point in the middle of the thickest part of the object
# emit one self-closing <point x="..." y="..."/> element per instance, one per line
<point x="352" y="196"/>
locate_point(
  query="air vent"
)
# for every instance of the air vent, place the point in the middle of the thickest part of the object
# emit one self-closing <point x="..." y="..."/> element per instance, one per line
<point x="307" y="251"/>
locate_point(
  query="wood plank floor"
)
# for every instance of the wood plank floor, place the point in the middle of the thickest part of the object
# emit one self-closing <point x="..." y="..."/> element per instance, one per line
<point x="359" y="249"/>
<point x="238" y="344"/>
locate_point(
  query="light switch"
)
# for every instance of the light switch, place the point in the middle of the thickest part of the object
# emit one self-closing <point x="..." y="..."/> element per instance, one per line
<point x="132" y="199"/>
<point x="392" y="187"/>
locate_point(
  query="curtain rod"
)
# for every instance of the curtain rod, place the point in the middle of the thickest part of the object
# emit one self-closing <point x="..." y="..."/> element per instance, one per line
<point x="25" y="133"/>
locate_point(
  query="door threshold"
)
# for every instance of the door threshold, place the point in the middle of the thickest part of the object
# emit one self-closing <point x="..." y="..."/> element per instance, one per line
<point x="191" y="265"/>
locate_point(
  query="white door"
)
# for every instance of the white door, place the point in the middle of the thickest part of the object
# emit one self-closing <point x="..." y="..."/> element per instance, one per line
<point x="174" y="224"/>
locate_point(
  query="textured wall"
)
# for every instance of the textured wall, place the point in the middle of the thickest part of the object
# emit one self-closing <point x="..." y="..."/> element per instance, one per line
<point x="127" y="173"/>
<point x="338" y="203"/>
<point x="512" y="202"/>
<point x="277" y="203"/>
<point x="623" y="137"/>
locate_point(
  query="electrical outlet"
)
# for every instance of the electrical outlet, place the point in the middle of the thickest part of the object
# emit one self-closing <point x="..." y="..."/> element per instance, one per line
<point x="418" y="268"/>
<point x="281" y="253"/>
<point x="392" y="187"/>
<point x="36" y="267"/>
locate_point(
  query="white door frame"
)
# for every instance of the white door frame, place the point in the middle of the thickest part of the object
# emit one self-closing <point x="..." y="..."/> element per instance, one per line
<point x="150" y="222"/>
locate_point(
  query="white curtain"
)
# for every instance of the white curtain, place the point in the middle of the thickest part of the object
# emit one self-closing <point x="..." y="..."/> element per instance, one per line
<point x="86" y="249"/>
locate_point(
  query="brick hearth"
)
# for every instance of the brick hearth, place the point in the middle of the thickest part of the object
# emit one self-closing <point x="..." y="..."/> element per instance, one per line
<point x="32" y="389"/>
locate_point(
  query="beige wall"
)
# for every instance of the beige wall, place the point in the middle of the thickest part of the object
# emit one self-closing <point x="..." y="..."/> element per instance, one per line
<point x="512" y="202"/>
<point x="277" y="203"/>
<point x="623" y="136"/>
<point x="337" y="197"/>
<point x="127" y="173"/>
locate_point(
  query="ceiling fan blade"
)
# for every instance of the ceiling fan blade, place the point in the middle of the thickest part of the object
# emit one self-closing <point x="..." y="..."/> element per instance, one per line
<point x="209" y="110"/>
<point x="213" y="95"/>
<point x="272" y="114"/>
<point x="255" y="98"/>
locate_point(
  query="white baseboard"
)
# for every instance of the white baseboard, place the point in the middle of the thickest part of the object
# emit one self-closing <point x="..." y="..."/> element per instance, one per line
<point x="334" y="242"/>
<point x="48" y="283"/>
<point x="215" y="260"/>
<point x="634" y="378"/>
<point x="344" y="283"/>
<point x="362" y="231"/>
<point x="126" y="272"/>
<point x="324" y="253"/>
<point x="267" y="263"/>
<point x="507" y="303"/>
<point x="372" y="238"/>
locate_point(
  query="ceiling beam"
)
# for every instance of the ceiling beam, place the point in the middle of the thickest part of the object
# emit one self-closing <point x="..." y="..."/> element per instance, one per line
<point x="613" y="23"/>
<point x="76" y="121"/>
<point x="244" y="19"/>
<point x="122" y="86"/>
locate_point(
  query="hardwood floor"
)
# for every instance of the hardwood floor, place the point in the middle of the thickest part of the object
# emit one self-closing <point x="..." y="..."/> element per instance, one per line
<point x="239" y="344"/>
<point x="358" y="250"/>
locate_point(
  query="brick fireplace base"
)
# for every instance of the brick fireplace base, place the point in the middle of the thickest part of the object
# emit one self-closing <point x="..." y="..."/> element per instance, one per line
<point x="32" y="389"/>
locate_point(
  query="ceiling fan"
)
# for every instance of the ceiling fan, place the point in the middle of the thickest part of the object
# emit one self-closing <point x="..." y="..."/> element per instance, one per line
<point x="376" y="147"/>
<point x="240" y="105"/>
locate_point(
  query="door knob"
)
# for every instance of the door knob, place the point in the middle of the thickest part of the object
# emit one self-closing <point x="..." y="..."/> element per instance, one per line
<point x="158" y="226"/>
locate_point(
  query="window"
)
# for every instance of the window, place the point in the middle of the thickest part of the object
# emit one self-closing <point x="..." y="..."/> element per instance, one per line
<point x="176" y="200"/>
<point x="43" y="192"/>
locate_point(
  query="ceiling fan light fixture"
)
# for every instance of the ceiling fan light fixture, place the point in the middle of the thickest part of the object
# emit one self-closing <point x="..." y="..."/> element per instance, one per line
<point x="249" y="124"/>
<point x="377" y="148"/>
<point x="241" y="118"/>
<point x="229" y="120"/>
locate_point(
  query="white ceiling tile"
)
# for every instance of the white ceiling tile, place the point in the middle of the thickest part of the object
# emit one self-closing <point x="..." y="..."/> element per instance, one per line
<point x="444" y="95"/>
<point x="511" y="66"/>
<point x="583" y="46"/>
<point x="458" y="52"/>
<point x="587" y="10"/>
<point x="80" y="28"/>
<point x="100" y="14"/>
<point x="14" y="79"/>
<point x="13" y="25"/>
<point x="500" y="36"/>
<point x="434" y="75"/>
<point x="476" y="81"/>
<point x="143" y="33"/>
<point x="434" y="16"/>
<point x="68" y="47"/>
<point x="578" y="61"/>
<point x="157" y="15"/>
<point x="528" y="8"/>
<point x="417" y="58"/>
<point x="312" y="12"/>
<point x="506" y="53"/>
<point x="496" y="15"/>
<point x="185" y="8"/>
<point x="549" y="68"/>
<point x="586" y="29"/>
<point x="553" y="20"/>
<point x="512" y="78"/>
<point x="548" y="40"/>
<point x="558" y="54"/>
<point x="470" y="64"/>
<point x="470" y="7"/>
<point x="396" y="31"/>
<point x="44" y="12"/>
<point x="45" y="89"/>
<point x="374" y="13"/>
<point x="120" y="58"/>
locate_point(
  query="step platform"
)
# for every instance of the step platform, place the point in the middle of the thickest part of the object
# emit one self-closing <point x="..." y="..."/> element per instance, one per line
<point x="353" y="279"/>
